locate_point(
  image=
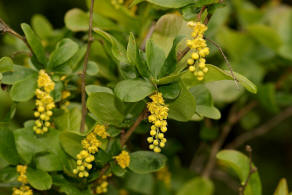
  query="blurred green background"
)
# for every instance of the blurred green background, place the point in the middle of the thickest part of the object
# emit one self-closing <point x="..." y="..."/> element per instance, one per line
<point x="272" y="152"/>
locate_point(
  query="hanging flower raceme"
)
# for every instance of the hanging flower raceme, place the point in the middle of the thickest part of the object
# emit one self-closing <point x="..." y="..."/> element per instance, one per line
<point x="22" y="178"/>
<point x="198" y="46"/>
<point x="103" y="184"/>
<point x="90" y="146"/>
<point x="45" y="103"/>
<point x="123" y="159"/>
<point x="158" y="116"/>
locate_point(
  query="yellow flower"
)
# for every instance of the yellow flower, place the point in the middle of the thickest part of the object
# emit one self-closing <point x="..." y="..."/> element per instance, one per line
<point x="45" y="102"/>
<point x="123" y="159"/>
<point x="158" y="116"/>
<point x="91" y="143"/>
<point x="23" y="190"/>
<point x="100" y="131"/>
<point x="199" y="50"/>
<point x="102" y="184"/>
<point x="164" y="175"/>
<point x="65" y="94"/>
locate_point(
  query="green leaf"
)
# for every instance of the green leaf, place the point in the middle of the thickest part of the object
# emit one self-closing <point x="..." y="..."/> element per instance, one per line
<point x="29" y="84"/>
<point x="90" y="89"/>
<point x="70" y="120"/>
<point x="265" y="35"/>
<point x="267" y="97"/>
<point x="92" y="68"/>
<point x="117" y="170"/>
<point x="119" y="54"/>
<point x="7" y="147"/>
<point x="184" y="107"/>
<point x="19" y="73"/>
<point x="142" y="184"/>
<point x="155" y="58"/>
<point x="122" y="16"/>
<point x="204" y="102"/>
<point x="65" y="50"/>
<point x="42" y="26"/>
<point x="217" y="74"/>
<point x="238" y="163"/>
<point x="167" y="28"/>
<point x="8" y="174"/>
<point x="6" y="64"/>
<point x="38" y="179"/>
<point x="35" y="43"/>
<point x="170" y="62"/>
<point x="170" y="91"/>
<point x="197" y="186"/>
<point x="146" y="162"/>
<point x="282" y="188"/>
<point x="208" y="111"/>
<point x="134" y="57"/>
<point x="105" y="107"/>
<point x="27" y="143"/>
<point x="125" y="90"/>
<point x="49" y="162"/>
<point x="71" y="143"/>
<point x="78" y="20"/>
<point x="177" y="3"/>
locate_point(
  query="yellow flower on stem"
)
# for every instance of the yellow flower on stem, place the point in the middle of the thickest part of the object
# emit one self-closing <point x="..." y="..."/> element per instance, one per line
<point x="123" y="159"/>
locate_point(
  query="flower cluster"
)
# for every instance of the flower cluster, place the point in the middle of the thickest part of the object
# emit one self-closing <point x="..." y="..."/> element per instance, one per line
<point x="23" y="189"/>
<point x="158" y="116"/>
<point x="45" y="103"/>
<point x="103" y="184"/>
<point x="90" y="146"/>
<point x="117" y="3"/>
<point x="123" y="159"/>
<point x="164" y="175"/>
<point x="197" y="62"/>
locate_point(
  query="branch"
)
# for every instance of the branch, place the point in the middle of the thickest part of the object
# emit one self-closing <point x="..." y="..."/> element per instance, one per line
<point x="128" y="134"/>
<point x="233" y="118"/>
<point x="83" y="75"/>
<point x="6" y="29"/>
<point x="263" y="129"/>
<point x="226" y="60"/>
<point x="251" y="171"/>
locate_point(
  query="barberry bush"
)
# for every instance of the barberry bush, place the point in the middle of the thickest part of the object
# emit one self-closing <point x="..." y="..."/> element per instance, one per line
<point x="109" y="103"/>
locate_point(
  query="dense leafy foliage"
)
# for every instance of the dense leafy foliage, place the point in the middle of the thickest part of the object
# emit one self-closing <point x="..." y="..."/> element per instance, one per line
<point x="137" y="82"/>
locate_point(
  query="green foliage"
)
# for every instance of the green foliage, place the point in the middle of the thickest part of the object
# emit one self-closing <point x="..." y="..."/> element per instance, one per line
<point x="137" y="49"/>
<point x="146" y="162"/>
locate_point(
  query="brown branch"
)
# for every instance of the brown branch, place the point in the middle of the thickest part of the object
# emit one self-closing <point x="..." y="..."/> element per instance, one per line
<point x="233" y="118"/>
<point x="148" y="36"/>
<point x="128" y="134"/>
<point x="226" y="60"/>
<point x="263" y="129"/>
<point x="83" y="75"/>
<point x="250" y="172"/>
<point x="6" y="29"/>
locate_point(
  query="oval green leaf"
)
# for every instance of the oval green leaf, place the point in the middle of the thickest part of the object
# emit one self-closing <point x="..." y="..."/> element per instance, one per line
<point x="197" y="186"/>
<point x="143" y="162"/>
<point x="133" y="90"/>
<point x="38" y="179"/>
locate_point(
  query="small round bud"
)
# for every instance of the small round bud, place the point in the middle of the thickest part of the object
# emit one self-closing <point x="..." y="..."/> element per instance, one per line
<point x="150" y="139"/>
<point x="192" y="68"/>
<point x="157" y="150"/>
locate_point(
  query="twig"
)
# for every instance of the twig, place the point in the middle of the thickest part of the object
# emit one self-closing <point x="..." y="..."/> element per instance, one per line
<point x="83" y="75"/>
<point x="263" y="129"/>
<point x="128" y="134"/>
<point x="252" y="170"/>
<point x="200" y="13"/>
<point x="233" y="118"/>
<point x="124" y="139"/>
<point x="149" y="34"/>
<point x="6" y="29"/>
<point x="226" y="60"/>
